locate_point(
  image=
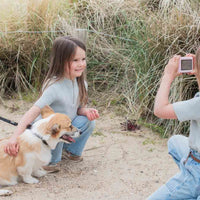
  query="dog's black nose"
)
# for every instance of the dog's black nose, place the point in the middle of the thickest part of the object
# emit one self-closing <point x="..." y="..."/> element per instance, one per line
<point x="81" y="132"/>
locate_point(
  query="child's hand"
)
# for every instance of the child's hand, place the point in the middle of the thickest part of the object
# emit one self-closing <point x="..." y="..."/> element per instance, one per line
<point x="194" y="71"/>
<point x="171" y="68"/>
<point x="12" y="147"/>
<point x="91" y="113"/>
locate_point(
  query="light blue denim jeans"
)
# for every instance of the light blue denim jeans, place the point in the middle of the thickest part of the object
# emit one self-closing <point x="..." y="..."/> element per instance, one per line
<point x="86" y="127"/>
<point x="185" y="185"/>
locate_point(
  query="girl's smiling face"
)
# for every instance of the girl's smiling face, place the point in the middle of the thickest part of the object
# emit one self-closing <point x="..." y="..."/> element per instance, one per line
<point x="77" y="65"/>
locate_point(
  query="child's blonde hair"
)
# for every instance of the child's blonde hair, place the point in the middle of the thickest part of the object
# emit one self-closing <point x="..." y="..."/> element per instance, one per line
<point x="63" y="50"/>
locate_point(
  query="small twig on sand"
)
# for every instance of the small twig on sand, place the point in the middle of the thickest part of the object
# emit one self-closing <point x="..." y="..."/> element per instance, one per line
<point x="93" y="148"/>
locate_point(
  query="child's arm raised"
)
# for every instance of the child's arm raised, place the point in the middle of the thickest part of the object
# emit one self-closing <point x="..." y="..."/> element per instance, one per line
<point x="162" y="107"/>
<point x="12" y="146"/>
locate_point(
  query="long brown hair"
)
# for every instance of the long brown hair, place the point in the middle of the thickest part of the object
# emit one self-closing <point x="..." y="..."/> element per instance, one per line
<point x="63" y="51"/>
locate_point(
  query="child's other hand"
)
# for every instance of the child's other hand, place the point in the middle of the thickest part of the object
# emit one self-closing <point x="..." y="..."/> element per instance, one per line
<point x="91" y="113"/>
<point x="171" y="68"/>
<point x="194" y="71"/>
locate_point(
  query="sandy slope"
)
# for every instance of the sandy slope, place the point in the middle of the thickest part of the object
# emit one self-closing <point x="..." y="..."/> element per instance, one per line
<point x="117" y="165"/>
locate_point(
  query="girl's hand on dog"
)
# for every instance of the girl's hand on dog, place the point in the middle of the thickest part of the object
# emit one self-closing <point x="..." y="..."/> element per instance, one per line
<point x="12" y="147"/>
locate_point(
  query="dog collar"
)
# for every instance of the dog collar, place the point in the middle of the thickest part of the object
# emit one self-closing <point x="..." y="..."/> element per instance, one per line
<point x="44" y="141"/>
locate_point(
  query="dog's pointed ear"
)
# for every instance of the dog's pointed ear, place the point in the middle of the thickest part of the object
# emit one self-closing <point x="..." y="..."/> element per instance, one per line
<point x="46" y="111"/>
<point x="55" y="128"/>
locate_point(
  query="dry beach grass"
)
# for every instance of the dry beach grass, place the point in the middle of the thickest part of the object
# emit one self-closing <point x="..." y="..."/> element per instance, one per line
<point x="128" y="41"/>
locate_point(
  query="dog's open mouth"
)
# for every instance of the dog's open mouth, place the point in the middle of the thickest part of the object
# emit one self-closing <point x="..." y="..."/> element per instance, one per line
<point x="67" y="138"/>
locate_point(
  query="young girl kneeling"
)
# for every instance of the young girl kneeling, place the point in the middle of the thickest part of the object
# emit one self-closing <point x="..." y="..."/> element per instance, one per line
<point x="65" y="91"/>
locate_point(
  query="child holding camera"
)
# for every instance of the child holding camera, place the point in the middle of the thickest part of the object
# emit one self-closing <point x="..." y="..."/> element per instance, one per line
<point x="185" y="151"/>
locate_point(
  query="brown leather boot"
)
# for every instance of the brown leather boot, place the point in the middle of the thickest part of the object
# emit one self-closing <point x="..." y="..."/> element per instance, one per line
<point x="52" y="168"/>
<point x="68" y="155"/>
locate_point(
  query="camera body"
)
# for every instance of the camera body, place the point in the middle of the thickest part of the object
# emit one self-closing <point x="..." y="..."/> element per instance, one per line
<point x="185" y="65"/>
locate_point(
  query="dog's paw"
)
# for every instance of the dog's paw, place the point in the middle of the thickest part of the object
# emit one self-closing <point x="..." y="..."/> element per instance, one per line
<point x="5" y="192"/>
<point x="30" y="180"/>
<point x="39" y="173"/>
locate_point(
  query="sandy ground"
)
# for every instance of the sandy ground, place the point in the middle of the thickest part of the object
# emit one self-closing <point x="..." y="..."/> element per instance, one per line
<point x="117" y="165"/>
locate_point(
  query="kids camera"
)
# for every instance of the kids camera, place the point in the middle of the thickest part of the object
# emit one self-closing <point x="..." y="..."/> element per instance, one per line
<point x="185" y="65"/>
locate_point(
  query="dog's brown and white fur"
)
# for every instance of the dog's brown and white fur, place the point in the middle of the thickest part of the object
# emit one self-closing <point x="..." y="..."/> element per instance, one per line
<point x="35" y="148"/>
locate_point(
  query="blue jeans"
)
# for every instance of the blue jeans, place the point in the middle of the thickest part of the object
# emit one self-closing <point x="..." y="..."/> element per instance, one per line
<point x="185" y="185"/>
<point x="86" y="127"/>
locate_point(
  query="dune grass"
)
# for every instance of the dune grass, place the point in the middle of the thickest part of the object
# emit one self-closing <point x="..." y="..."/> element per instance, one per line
<point x="129" y="42"/>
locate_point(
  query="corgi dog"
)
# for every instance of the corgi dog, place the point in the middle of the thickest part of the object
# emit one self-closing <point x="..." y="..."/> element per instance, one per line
<point x="35" y="148"/>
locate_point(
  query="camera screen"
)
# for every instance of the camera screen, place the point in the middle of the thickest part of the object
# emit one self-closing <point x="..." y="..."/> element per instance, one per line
<point x="186" y="64"/>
